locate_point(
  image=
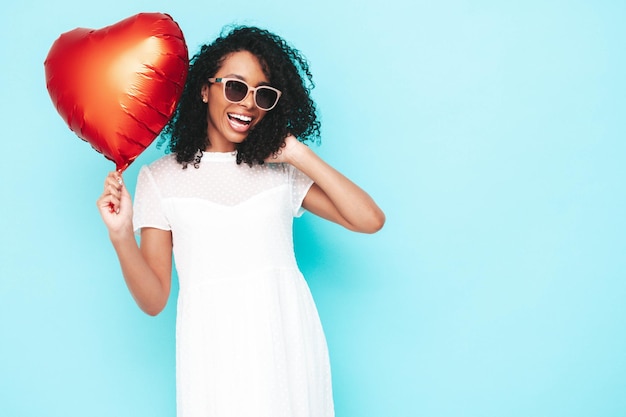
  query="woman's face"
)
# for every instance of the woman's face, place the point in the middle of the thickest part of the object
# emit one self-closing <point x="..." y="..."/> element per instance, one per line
<point x="229" y="123"/>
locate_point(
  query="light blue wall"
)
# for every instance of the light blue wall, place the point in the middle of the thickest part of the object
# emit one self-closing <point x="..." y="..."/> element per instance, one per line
<point x="492" y="135"/>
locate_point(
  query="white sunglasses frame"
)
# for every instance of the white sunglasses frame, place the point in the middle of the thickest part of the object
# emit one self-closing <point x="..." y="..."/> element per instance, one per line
<point x="224" y="80"/>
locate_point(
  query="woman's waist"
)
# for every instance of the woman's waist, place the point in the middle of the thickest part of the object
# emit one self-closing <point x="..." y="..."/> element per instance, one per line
<point x="237" y="276"/>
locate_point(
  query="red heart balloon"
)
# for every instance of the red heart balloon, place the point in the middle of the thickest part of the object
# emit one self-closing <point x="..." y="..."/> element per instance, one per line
<point x="118" y="86"/>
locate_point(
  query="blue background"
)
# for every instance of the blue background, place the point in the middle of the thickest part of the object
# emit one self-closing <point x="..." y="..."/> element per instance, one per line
<point x="491" y="133"/>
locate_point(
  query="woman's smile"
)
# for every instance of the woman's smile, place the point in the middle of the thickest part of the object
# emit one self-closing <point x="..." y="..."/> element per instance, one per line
<point x="240" y="122"/>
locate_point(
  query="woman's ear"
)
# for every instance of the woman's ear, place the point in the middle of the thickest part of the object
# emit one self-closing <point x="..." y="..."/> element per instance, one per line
<point x="204" y="93"/>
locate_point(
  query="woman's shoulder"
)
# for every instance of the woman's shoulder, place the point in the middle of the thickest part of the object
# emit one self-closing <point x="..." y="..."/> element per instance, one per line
<point x="164" y="166"/>
<point x="162" y="170"/>
<point x="166" y="162"/>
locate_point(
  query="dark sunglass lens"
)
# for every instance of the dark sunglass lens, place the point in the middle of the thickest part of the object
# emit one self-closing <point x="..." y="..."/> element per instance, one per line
<point x="235" y="90"/>
<point x="265" y="97"/>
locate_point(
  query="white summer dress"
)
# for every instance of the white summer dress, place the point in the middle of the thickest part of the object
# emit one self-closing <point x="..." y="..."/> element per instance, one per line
<point x="249" y="342"/>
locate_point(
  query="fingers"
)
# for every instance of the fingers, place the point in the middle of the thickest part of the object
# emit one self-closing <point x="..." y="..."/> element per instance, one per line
<point x="109" y="203"/>
<point x="290" y="150"/>
<point x="115" y="179"/>
<point x="111" y="197"/>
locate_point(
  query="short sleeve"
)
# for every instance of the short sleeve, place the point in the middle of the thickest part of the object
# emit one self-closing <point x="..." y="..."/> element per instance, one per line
<point x="148" y="205"/>
<point x="300" y="184"/>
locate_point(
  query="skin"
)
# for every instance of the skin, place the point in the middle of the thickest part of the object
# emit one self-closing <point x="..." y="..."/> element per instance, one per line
<point x="147" y="268"/>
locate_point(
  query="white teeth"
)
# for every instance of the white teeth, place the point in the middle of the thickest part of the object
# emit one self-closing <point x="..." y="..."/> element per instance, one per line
<point x="241" y="117"/>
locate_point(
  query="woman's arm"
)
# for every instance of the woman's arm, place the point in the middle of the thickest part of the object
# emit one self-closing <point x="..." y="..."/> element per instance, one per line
<point x="332" y="196"/>
<point x="147" y="269"/>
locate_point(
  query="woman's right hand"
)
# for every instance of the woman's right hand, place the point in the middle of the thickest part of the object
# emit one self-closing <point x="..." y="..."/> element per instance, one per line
<point x="147" y="270"/>
<point x="115" y="205"/>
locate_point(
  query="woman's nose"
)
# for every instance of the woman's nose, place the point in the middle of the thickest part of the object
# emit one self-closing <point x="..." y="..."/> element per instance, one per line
<point x="248" y="100"/>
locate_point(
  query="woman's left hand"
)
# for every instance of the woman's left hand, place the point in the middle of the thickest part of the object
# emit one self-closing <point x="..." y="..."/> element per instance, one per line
<point x="332" y="196"/>
<point x="286" y="152"/>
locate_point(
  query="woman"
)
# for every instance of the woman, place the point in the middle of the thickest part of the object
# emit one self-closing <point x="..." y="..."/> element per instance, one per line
<point x="249" y="340"/>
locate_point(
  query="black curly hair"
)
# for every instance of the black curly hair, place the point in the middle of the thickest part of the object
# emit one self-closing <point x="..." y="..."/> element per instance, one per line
<point x="286" y="69"/>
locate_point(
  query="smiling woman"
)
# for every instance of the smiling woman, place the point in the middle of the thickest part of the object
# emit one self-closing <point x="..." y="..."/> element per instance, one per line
<point x="276" y="65"/>
<point x="230" y="120"/>
<point x="249" y="339"/>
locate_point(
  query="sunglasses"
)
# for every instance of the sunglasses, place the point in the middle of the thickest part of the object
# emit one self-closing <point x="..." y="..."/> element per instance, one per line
<point x="235" y="91"/>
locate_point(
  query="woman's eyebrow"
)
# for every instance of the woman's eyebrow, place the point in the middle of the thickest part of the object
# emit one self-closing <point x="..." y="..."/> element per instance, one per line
<point x="239" y="77"/>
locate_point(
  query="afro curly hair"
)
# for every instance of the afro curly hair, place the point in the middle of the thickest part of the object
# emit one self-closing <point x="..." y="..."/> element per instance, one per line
<point x="286" y="69"/>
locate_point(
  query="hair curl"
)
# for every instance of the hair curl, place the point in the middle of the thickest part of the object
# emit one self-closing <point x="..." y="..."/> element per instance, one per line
<point x="286" y="70"/>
